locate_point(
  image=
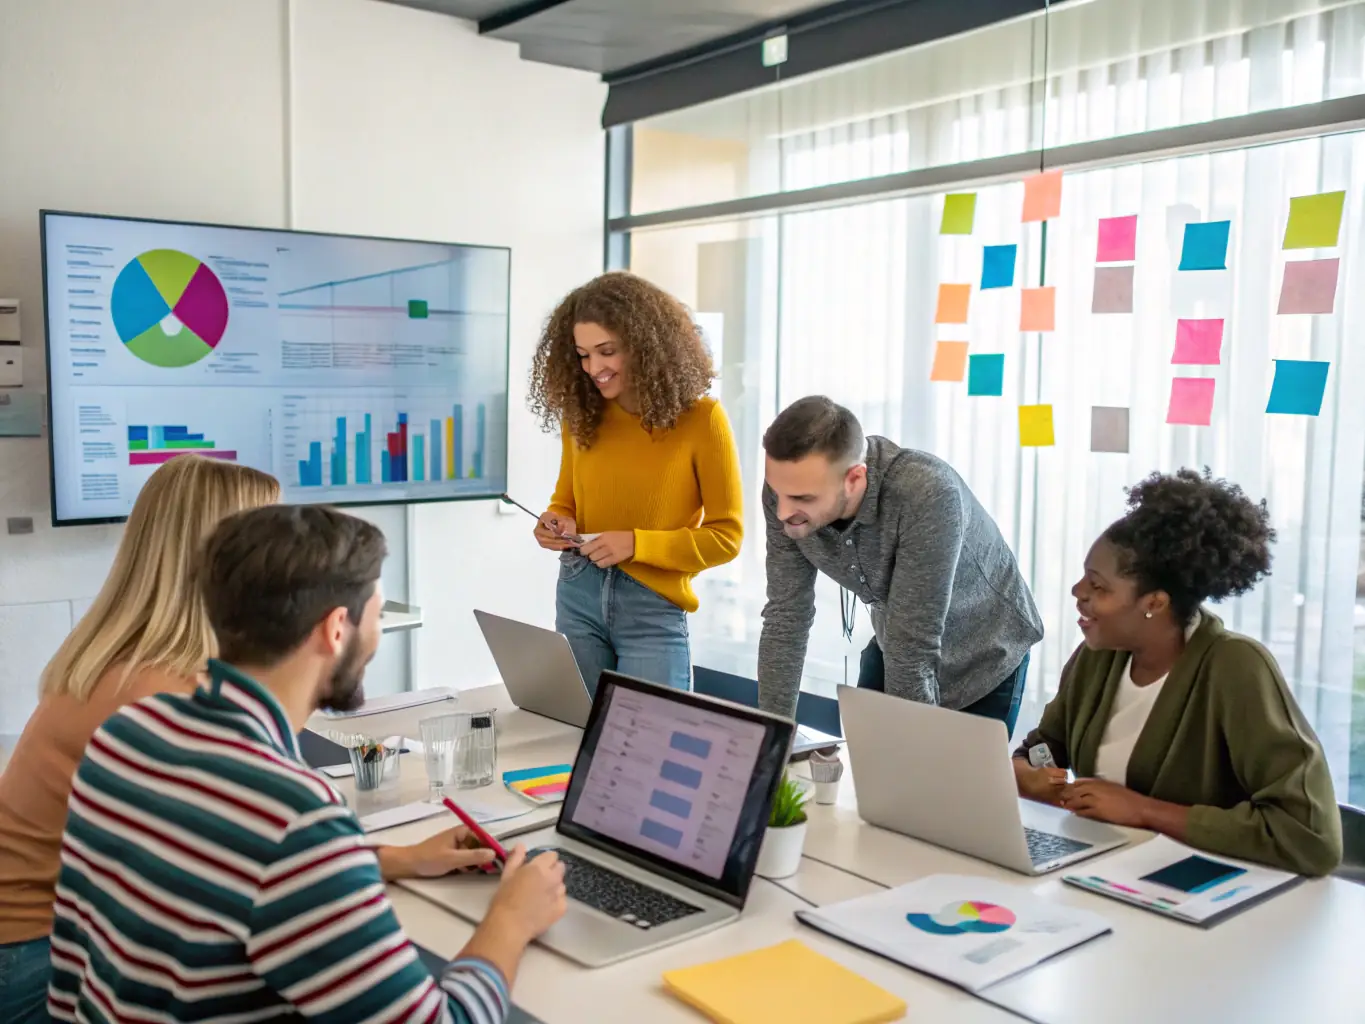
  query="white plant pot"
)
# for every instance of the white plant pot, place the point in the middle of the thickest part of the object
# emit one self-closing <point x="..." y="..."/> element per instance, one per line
<point x="780" y="854"/>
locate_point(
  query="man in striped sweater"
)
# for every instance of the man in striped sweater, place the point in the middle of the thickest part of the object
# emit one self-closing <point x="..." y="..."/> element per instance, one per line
<point x="208" y="875"/>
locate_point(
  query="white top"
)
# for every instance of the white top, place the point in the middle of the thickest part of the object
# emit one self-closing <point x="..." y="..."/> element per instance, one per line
<point x="1132" y="705"/>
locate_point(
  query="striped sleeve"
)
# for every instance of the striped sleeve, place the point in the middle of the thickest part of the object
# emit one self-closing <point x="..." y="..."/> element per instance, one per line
<point x="325" y="939"/>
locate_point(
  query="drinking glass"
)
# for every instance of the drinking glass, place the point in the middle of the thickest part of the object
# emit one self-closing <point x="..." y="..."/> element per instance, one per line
<point x="476" y="748"/>
<point x="439" y="733"/>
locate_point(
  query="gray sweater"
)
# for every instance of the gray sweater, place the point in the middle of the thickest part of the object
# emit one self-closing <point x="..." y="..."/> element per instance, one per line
<point x="950" y="610"/>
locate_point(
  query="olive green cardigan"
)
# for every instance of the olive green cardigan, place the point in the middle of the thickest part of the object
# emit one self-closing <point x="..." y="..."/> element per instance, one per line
<point x="1224" y="738"/>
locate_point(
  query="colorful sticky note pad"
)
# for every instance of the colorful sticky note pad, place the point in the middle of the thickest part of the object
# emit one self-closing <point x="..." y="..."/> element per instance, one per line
<point x="1035" y="426"/>
<point x="959" y="214"/>
<point x="1298" y="388"/>
<point x="1198" y="343"/>
<point x="1314" y="221"/>
<point x="997" y="266"/>
<point x="1038" y="309"/>
<point x="986" y="375"/>
<point x="1206" y="245"/>
<point x="1113" y="290"/>
<point x="952" y="303"/>
<point x="1108" y="428"/>
<point x="950" y="361"/>
<point x="1309" y="286"/>
<point x="1042" y="196"/>
<point x="539" y="785"/>
<point x="1191" y="401"/>
<point x="1118" y="240"/>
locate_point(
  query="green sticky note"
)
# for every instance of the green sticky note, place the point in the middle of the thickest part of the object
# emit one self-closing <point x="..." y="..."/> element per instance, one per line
<point x="417" y="309"/>
<point x="959" y="213"/>
<point x="1314" y="221"/>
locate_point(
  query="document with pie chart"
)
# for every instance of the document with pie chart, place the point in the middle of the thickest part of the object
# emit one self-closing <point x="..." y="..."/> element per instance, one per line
<point x="972" y="932"/>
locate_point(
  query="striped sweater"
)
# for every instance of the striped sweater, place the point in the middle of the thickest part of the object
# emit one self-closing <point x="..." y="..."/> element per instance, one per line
<point x="208" y="875"/>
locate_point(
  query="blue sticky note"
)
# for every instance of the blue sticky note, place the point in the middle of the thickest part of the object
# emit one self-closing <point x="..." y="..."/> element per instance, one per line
<point x="1206" y="246"/>
<point x="986" y="375"/>
<point x="1298" y="388"/>
<point x="997" y="266"/>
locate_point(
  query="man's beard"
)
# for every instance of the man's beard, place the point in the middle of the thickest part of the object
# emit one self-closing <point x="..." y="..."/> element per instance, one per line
<point x="346" y="690"/>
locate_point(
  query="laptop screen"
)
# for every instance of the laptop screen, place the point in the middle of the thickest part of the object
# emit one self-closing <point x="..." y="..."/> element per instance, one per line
<point x="675" y="779"/>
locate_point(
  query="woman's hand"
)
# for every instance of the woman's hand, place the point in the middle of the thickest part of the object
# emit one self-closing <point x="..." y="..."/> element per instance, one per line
<point x="456" y="849"/>
<point x="608" y="549"/>
<point x="1044" y="785"/>
<point x="554" y="531"/>
<point x="1106" y="801"/>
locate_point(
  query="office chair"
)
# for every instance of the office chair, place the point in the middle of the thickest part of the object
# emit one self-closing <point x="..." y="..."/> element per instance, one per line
<point x="1353" y="845"/>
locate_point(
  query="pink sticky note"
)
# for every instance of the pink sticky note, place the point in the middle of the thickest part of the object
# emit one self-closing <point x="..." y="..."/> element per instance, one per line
<point x="1118" y="240"/>
<point x="1191" y="401"/>
<point x="1310" y="286"/>
<point x="1198" y="343"/>
<point x="1042" y="196"/>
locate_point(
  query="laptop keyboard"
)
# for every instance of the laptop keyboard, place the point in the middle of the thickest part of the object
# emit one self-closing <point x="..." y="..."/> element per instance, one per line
<point x="1044" y="847"/>
<point x="617" y="896"/>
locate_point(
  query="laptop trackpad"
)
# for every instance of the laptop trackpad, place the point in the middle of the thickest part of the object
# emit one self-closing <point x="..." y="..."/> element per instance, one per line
<point x="1046" y="818"/>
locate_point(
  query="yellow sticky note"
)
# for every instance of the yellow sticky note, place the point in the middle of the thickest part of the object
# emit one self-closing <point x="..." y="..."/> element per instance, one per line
<point x="959" y="214"/>
<point x="789" y="982"/>
<point x="950" y="361"/>
<point x="1035" y="426"/>
<point x="952" y="303"/>
<point x="1038" y="309"/>
<point x="1314" y="221"/>
<point x="1042" y="196"/>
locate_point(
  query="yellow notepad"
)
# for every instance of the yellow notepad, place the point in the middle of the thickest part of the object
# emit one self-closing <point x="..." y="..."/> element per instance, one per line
<point x="789" y="982"/>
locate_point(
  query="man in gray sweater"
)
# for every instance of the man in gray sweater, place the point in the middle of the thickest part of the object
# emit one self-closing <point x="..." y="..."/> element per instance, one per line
<point x="953" y="619"/>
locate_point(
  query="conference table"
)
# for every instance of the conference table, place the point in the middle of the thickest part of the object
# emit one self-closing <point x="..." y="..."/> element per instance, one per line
<point x="1295" y="957"/>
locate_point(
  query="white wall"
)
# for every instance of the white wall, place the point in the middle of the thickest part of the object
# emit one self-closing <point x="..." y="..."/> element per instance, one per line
<point x="354" y="116"/>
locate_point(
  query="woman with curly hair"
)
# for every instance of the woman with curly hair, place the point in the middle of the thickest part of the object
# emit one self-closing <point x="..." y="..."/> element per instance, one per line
<point x="1170" y="721"/>
<point x="649" y="490"/>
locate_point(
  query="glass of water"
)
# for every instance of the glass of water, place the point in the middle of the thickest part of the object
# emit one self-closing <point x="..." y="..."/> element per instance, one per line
<point x="439" y="733"/>
<point x="476" y="748"/>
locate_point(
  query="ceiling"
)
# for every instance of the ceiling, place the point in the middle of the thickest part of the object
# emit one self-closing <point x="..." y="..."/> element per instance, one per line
<point x="611" y="36"/>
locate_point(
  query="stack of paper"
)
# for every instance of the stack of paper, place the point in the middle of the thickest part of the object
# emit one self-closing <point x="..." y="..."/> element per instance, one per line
<point x="789" y="982"/>
<point x="969" y="931"/>
<point x="1169" y="878"/>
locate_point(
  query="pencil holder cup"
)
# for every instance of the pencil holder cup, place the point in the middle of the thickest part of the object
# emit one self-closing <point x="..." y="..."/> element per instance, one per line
<point x="372" y="766"/>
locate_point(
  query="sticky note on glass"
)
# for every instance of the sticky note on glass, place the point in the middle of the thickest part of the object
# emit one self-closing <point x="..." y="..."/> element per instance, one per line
<point x="1042" y="196"/>
<point x="950" y="361"/>
<point x="1108" y="428"/>
<point x="959" y="214"/>
<point x="1198" y="343"/>
<point x="1191" y="401"/>
<point x="1118" y="240"/>
<point x="1309" y="286"/>
<point x="1206" y="245"/>
<point x="1314" y="221"/>
<point x="1038" y="309"/>
<point x="986" y="375"/>
<point x="1298" y="388"/>
<point x="1113" y="290"/>
<point x="997" y="266"/>
<point x="1035" y="426"/>
<point x="952" y="303"/>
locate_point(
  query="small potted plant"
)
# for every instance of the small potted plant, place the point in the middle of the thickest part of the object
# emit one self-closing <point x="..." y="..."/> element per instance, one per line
<point x="780" y="854"/>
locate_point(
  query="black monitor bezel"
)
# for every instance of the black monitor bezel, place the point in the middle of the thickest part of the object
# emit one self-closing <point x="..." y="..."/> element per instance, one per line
<point x="733" y="886"/>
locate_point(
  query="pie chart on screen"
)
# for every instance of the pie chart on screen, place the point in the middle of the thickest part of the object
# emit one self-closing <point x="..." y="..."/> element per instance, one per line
<point x="169" y="308"/>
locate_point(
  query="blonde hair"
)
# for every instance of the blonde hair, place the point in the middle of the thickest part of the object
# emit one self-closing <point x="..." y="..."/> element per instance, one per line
<point x="149" y="611"/>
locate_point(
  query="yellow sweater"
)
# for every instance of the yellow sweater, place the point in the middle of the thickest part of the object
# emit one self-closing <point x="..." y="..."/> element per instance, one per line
<point x="679" y="491"/>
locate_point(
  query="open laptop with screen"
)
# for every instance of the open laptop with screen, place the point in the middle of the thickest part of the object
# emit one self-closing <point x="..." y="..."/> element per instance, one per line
<point x="661" y="826"/>
<point x="945" y="777"/>
<point x="538" y="668"/>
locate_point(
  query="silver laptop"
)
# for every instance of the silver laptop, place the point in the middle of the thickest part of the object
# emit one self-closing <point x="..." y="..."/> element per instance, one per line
<point x="660" y="827"/>
<point x="538" y="668"/>
<point x="945" y="777"/>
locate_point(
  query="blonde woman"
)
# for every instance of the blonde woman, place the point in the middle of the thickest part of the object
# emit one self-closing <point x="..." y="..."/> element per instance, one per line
<point x="145" y="633"/>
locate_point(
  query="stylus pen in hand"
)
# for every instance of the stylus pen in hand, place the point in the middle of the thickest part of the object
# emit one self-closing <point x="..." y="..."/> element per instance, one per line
<point x="512" y="501"/>
<point x="483" y="837"/>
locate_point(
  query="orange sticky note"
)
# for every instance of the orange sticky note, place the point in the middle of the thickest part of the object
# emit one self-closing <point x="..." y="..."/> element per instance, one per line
<point x="1035" y="426"/>
<point x="1038" y="309"/>
<point x="1042" y="196"/>
<point x="952" y="303"/>
<point x="950" y="361"/>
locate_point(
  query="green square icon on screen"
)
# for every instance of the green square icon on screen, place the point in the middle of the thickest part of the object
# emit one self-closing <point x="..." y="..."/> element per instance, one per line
<point x="417" y="309"/>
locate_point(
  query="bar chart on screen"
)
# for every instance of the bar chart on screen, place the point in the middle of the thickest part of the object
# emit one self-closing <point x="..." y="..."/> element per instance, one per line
<point x="151" y="445"/>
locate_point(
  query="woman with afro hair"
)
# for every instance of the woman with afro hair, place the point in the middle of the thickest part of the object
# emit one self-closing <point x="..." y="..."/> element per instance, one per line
<point x="1170" y="721"/>
<point x="649" y="491"/>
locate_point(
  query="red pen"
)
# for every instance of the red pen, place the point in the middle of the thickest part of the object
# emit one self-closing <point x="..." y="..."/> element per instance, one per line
<point x="483" y="837"/>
